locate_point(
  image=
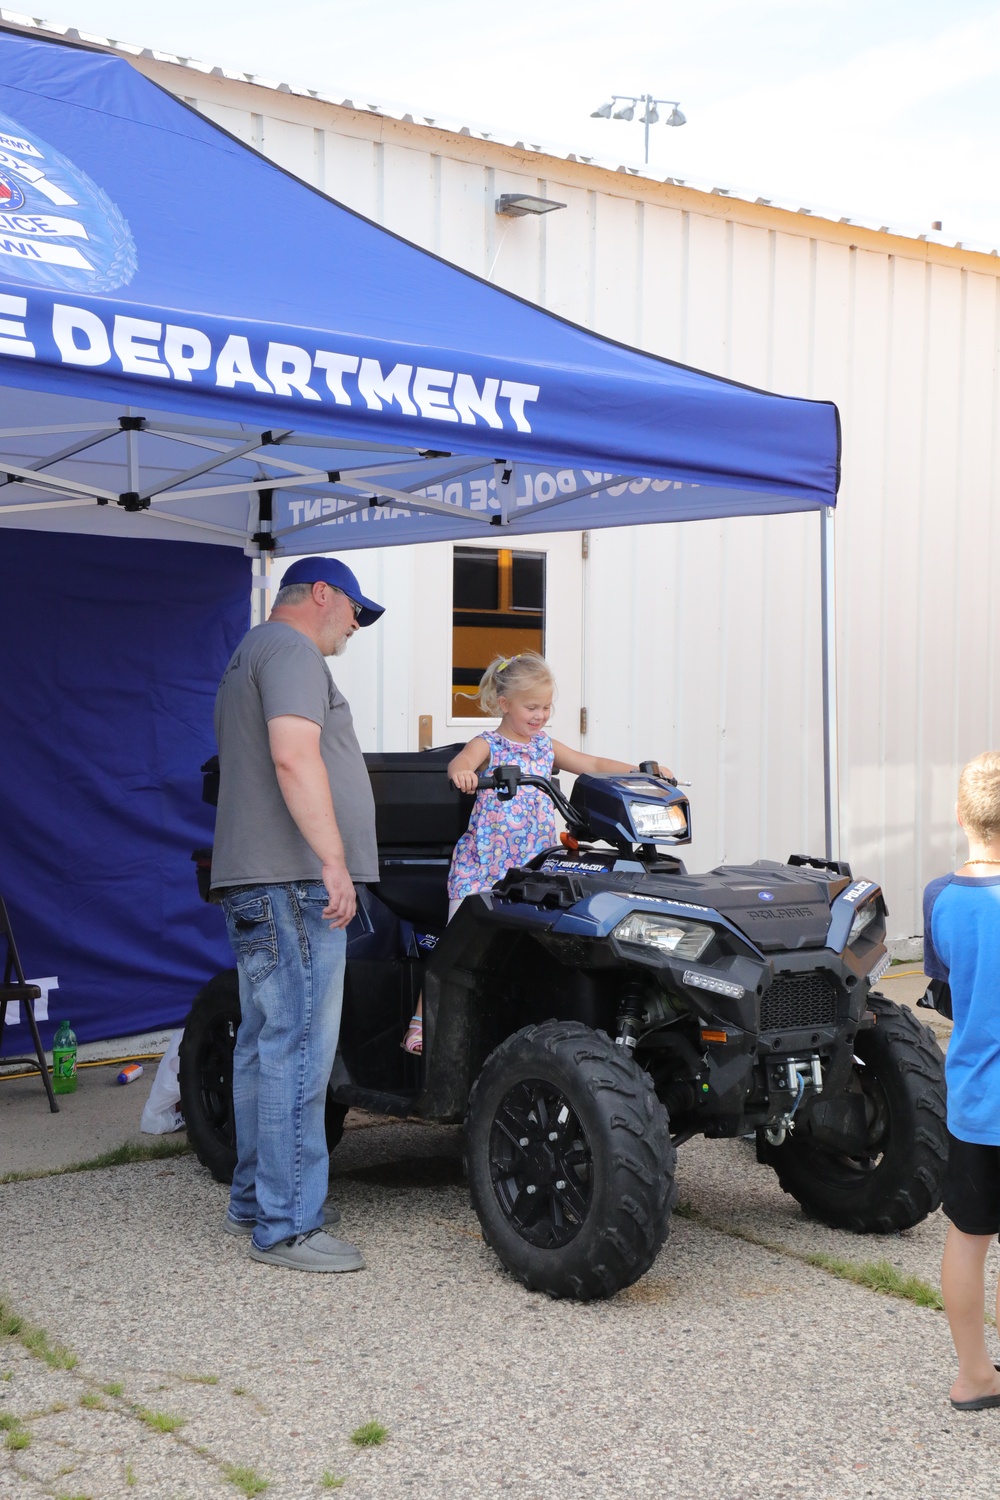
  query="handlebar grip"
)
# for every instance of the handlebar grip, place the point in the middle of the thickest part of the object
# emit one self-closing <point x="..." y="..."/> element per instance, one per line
<point x="652" y="768"/>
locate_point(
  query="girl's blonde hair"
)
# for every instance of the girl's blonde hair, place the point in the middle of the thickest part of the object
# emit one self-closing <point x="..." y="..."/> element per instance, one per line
<point x="979" y="796"/>
<point x="509" y="676"/>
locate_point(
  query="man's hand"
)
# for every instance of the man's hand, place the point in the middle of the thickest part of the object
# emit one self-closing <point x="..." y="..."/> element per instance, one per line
<point x="343" y="900"/>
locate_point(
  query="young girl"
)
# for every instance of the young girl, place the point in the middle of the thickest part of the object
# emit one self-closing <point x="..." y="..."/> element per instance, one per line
<point x="503" y="836"/>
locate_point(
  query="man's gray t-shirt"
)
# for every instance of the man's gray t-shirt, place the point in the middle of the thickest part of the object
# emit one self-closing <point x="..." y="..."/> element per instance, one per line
<point x="277" y="670"/>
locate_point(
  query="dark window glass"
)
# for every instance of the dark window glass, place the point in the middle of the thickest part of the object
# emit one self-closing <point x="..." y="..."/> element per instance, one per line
<point x="477" y="579"/>
<point x="528" y="580"/>
<point x="499" y="609"/>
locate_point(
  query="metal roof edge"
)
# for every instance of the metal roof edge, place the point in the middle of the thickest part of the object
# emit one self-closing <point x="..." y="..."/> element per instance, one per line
<point x="407" y="115"/>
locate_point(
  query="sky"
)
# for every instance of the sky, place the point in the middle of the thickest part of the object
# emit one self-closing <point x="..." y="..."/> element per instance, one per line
<point x="880" y="110"/>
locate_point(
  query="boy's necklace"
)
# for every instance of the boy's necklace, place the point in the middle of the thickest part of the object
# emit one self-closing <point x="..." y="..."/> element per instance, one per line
<point x="981" y="862"/>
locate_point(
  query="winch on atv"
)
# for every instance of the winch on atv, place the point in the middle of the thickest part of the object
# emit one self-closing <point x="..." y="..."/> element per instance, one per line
<point x="600" y="1007"/>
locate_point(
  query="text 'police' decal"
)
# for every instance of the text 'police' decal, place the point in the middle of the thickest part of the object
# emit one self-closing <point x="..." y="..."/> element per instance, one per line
<point x="857" y="890"/>
<point x="57" y="228"/>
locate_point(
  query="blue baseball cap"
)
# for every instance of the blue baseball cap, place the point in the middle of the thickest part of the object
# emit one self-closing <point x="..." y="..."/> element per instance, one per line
<point x="339" y="576"/>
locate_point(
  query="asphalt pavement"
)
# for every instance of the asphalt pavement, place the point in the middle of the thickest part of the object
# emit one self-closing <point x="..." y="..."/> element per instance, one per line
<point x="732" y="1369"/>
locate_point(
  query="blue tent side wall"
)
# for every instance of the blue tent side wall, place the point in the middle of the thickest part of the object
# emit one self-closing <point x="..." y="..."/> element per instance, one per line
<point x="113" y="650"/>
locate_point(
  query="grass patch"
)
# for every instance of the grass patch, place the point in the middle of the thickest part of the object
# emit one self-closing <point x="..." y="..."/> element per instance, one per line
<point x="239" y="1390"/>
<point x="369" y="1435"/>
<point x="131" y="1477"/>
<point x="10" y="1323"/>
<point x="121" y="1156"/>
<point x="879" y="1276"/>
<point x="56" y="1356"/>
<point x="17" y="1438"/>
<point x="245" y="1479"/>
<point x="331" y="1482"/>
<point x="7" y="1422"/>
<point x="91" y="1401"/>
<point x="7" y="1375"/>
<point x="160" y="1421"/>
<point x="200" y="1379"/>
<point x="35" y="1340"/>
<point x="114" y="1388"/>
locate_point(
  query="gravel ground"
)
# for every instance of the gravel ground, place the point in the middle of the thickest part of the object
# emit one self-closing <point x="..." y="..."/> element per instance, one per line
<point x="731" y="1369"/>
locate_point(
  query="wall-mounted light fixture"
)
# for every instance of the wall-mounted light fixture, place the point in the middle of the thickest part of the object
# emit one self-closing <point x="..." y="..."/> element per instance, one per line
<point x="513" y="205"/>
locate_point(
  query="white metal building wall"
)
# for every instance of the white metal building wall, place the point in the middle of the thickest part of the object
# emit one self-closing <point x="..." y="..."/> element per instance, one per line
<point x="702" y="641"/>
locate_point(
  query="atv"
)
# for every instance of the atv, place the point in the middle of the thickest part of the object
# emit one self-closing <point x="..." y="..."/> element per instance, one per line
<point x="598" y="1008"/>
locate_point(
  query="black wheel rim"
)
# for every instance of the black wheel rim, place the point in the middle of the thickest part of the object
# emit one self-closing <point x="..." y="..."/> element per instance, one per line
<point x="541" y="1164"/>
<point x="215" y="1081"/>
<point x="841" y="1170"/>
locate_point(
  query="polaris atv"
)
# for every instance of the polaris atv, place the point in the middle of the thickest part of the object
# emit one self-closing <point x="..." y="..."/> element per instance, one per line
<point x="598" y="1008"/>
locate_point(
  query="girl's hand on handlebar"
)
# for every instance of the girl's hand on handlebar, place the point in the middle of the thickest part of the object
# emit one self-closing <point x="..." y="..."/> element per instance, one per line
<point x="465" y="781"/>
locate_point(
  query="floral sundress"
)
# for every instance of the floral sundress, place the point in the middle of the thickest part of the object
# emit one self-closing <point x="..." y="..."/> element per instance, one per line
<point x="504" y="835"/>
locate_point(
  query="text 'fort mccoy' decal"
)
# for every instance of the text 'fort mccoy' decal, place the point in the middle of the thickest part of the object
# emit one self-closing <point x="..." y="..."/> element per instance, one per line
<point x="57" y="228"/>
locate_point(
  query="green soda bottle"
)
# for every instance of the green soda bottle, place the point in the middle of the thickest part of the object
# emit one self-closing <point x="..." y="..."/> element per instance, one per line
<point x="64" y="1060"/>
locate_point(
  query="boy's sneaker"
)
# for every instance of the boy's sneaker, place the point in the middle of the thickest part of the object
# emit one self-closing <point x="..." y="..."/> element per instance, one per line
<point x="317" y="1251"/>
<point x="246" y="1227"/>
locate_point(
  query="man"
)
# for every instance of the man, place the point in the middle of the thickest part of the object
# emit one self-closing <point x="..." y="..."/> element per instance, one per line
<point x="295" y="829"/>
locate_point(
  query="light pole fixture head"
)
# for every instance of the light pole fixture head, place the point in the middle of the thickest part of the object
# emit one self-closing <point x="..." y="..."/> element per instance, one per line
<point x="627" y="112"/>
<point x="514" y="205"/>
<point x="675" y="117"/>
<point x="604" y="113"/>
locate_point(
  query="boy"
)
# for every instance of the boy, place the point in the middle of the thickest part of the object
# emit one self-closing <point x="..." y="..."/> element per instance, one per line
<point x="962" y="948"/>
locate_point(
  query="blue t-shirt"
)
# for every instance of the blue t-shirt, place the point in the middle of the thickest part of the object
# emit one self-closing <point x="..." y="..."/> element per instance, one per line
<point x="962" y="946"/>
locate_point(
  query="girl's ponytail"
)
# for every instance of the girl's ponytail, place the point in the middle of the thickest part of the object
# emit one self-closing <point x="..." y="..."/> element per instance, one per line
<point x="508" y="675"/>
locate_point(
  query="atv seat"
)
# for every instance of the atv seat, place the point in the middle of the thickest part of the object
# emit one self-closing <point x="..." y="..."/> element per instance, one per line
<point x="419" y="818"/>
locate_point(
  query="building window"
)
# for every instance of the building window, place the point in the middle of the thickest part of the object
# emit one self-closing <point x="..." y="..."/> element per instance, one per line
<point x="498" y="609"/>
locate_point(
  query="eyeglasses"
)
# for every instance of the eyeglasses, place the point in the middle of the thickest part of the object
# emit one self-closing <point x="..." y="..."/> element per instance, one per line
<point x="357" y="608"/>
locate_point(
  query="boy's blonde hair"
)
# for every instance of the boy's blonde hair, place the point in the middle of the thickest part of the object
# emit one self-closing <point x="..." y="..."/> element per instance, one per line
<point x="979" y="796"/>
<point x="509" y="676"/>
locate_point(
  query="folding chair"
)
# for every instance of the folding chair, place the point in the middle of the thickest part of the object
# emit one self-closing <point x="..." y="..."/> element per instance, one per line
<point x="15" y="988"/>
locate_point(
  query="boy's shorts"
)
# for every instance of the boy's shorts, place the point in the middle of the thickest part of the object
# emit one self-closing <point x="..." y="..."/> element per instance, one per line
<point x="971" y="1197"/>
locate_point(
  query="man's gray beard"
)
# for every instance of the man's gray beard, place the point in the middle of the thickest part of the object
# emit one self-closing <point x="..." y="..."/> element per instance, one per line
<point x="341" y="646"/>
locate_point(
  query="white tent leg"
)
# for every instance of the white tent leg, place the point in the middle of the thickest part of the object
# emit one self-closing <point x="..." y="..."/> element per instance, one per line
<point x="831" y="761"/>
<point x="260" y="598"/>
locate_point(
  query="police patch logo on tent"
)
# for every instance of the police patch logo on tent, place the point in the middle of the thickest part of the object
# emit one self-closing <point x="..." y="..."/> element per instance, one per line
<point x="57" y="228"/>
<point x="10" y="194"/>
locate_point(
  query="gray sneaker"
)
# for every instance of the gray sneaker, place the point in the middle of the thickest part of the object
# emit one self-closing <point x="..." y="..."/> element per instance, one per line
<point x="245" y="1227"/>
<point x="317" y="1251"/>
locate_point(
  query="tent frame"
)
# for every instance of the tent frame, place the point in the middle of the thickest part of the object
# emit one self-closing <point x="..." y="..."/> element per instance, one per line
<point x="353" y="491"/>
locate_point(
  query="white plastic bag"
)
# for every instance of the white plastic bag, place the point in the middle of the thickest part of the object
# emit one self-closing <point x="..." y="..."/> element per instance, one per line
<point x="162" y="1111"/>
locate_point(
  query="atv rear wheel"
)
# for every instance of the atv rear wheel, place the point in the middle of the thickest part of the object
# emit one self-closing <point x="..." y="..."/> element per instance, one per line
<point x="571" y="1166"/>
<point x="206" y="1078"/>
<point x="894" y="1182"/>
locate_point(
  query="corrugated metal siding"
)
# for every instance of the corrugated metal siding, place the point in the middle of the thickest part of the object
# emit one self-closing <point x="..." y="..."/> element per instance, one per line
<point x="702" y="641"/>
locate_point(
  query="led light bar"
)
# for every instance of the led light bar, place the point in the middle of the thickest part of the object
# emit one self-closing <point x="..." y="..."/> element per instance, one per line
<point x="874" y="975"/>
<point x="716" y="986"/>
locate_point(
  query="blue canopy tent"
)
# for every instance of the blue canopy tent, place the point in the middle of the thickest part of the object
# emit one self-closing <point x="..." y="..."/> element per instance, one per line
<point x="196" y="347"/>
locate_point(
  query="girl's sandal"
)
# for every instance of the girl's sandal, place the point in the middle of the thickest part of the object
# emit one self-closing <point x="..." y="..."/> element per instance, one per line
<point x="413" y="1041"/>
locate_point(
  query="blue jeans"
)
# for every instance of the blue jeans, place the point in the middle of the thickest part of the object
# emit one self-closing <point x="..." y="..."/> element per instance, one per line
<point x="291" y="969"/>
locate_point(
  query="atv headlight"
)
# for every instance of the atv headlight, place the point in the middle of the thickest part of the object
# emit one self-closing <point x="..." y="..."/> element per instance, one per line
<point x="863" y="919"/>
<point x="667" y="934"/>
<point x="652" y="820"/>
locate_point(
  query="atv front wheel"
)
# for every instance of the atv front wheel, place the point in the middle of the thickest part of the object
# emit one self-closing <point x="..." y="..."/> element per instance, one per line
<point x="891" y="1179"/>
<point x="571" y="1165"/>
<point x="206" y="1078"/>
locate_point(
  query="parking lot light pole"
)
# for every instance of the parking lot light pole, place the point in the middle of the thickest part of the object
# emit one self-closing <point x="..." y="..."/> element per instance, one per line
<point x="650" y="114"/>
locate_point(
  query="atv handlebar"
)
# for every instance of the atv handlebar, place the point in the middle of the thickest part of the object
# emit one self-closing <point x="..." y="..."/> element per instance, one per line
<point x="505" y="780"/>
